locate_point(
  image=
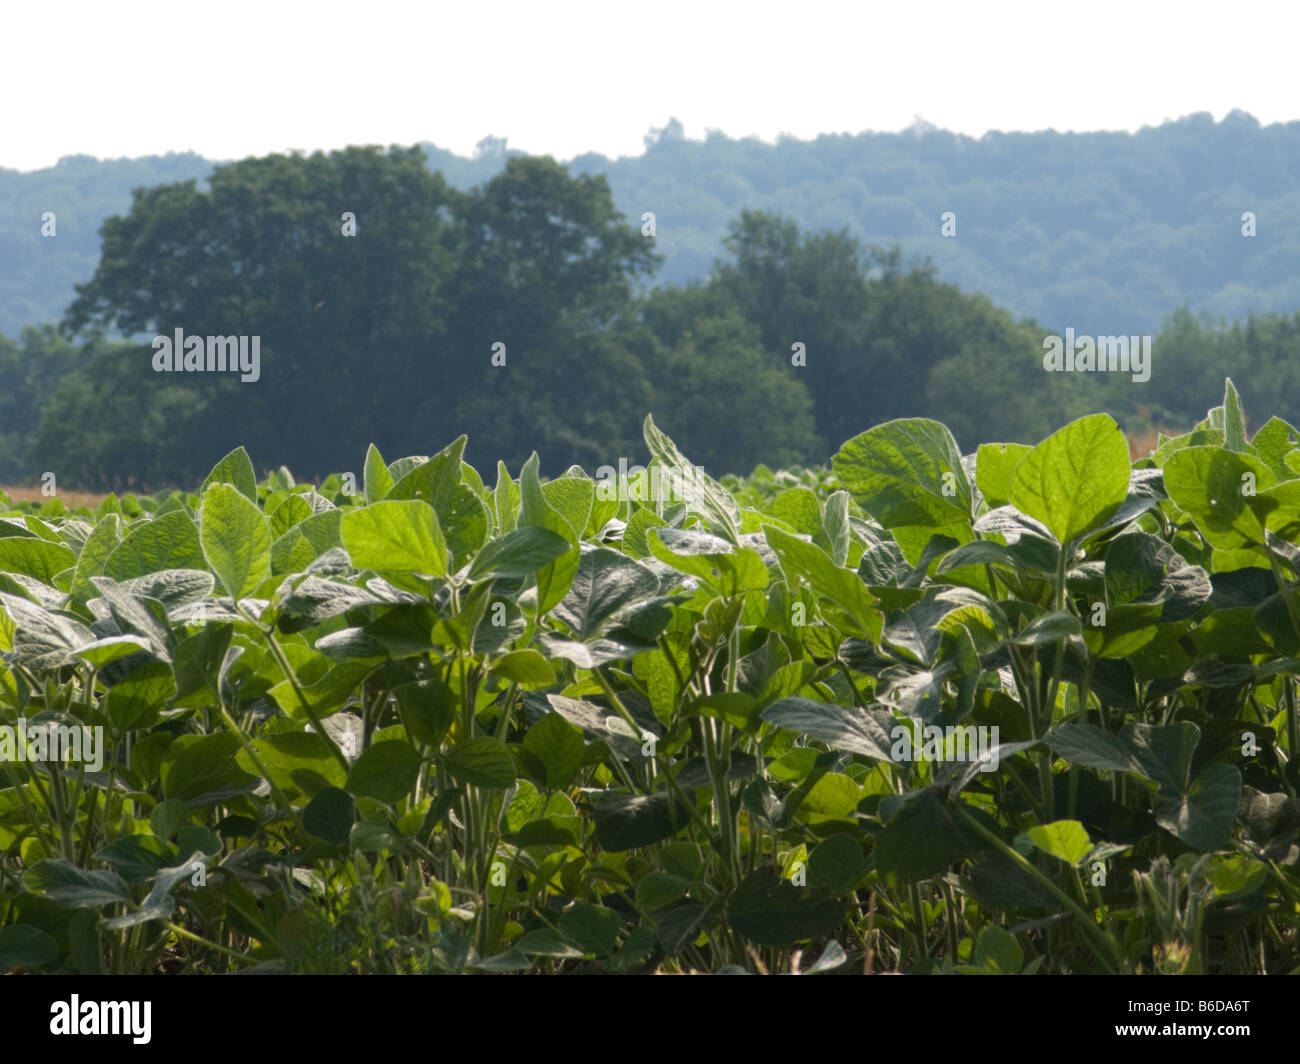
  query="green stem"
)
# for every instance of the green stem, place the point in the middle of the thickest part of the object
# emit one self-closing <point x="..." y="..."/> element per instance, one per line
<point x="1096" y="939"/>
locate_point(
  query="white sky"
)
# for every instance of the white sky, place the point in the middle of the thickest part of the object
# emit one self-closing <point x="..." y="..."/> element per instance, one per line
<point x="115" y="78"/>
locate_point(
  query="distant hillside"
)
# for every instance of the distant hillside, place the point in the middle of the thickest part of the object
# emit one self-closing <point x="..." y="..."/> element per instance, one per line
<point x="1102" y="232"/>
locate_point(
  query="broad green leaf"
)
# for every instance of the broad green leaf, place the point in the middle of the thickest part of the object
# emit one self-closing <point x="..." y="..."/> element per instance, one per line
<point x="1211" y="484"/>
<point x="23" y="946"/>
<point x="592" y="928"/>
<point x="518" y="553"/>
<point x="1089" y="746"/>
<point x="396" y="536"/>
<point x="36" y="558"/>
<point x="1164" y="751"/>
<point x="385" y="771"/>
<point x="1066" y="840"/>
<point x="73" y="887"/>
<point x="236" y="539"/>
<point x="772" y="912"/>
<point x="1203" y="817"/>
<point x="920" y="842"/>
<point x="1074" y="479"/>
<point x="330" y="814"/>
<point x="481" y="762"/>
<point x="95" y="553"/>
<point x="237" y="470"/>
<point x="627" y="821"/>
<point x="906" y="472"/>
<point x="559" y="746"/>
<point x="604" y="583"/>
<point x="838" y="862"/>
<point x="997" y="950"/>
<point x="710" y="559"/>
<point x="805" y="561"/>
<point x="167" y="542"/>
<point x="995" y="464"/>
<point x="847" y="728"/>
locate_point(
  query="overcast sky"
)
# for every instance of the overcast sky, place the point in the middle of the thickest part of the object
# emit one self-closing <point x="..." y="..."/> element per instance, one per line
<point x="240" y="78"/>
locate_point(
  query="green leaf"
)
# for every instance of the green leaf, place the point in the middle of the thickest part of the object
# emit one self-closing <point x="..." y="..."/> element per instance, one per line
<point x="546" y="943"/>
<point x="168" y="817"/>
<point x="237" y="470"/>
<point x="1235" y="875"/>
<point x="236" y="539"/>
<point x="1066" y="840"/>
<point x="94" y="555"/>
<point x="1203" y="817"/>
<point x="626" y="821"/>
<point x="592" y="928"/>
<point x="920" y="842"/>
<point x="1089" y="746"/>
<point x="386" y="771"/>
<point x="554" y="578"/>
<point x="330" y="814"/>
<point x="838" y="862"/>
<point x="559" y="746"/>
<point x="700" y="492"/>
<point x="772" y="912"/>
<point x="844" y="587"/>
<point x="1074" y="479"/>
<point x="528" y="668"/>
<point x="709" y="559"/>
<point x="906" y="472"/>
<point x="1211" y="484"/>
<point x="518" y="553"/>
<point x="167" y="542"/>
<point x="75" y="888"/>
<point x="481" y="762"/>
<point x="298" y="762"/>
<point x="995" y="464"/>
<point x="1164" y="751"/>
<point x="658" y="890"/>
<point x="396" y="536"/>
<point x="22" y="946"/>
<point x="434" y="481"/>
<point x="997" y="949"/>
<point x="571" y="497"/>
<point x="506" y="499"/>
<point x="378" y="481"/>
<point x="848" y="728"/>
<point x="37" y="558"/>
<point x="428" y="708"/>
<point x="136" y="857"/>
<point x="605" y="582"/>
<point x="1234" y="423"/>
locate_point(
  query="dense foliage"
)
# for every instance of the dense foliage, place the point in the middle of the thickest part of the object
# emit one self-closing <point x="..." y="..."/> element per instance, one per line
<point x="407" y="722"/>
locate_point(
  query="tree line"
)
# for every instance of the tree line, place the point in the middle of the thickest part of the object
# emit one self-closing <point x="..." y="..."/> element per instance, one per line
<point x="396" y="308"/>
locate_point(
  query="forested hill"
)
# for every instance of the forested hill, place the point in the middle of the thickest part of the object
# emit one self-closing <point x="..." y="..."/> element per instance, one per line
<point x="1101" y="232"/>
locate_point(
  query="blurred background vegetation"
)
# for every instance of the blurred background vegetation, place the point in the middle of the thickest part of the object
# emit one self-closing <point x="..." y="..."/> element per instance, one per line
<point x="834" y="244"/>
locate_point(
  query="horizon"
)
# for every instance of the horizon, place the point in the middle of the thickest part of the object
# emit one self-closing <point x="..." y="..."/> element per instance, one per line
<point x="918" y="126"/>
